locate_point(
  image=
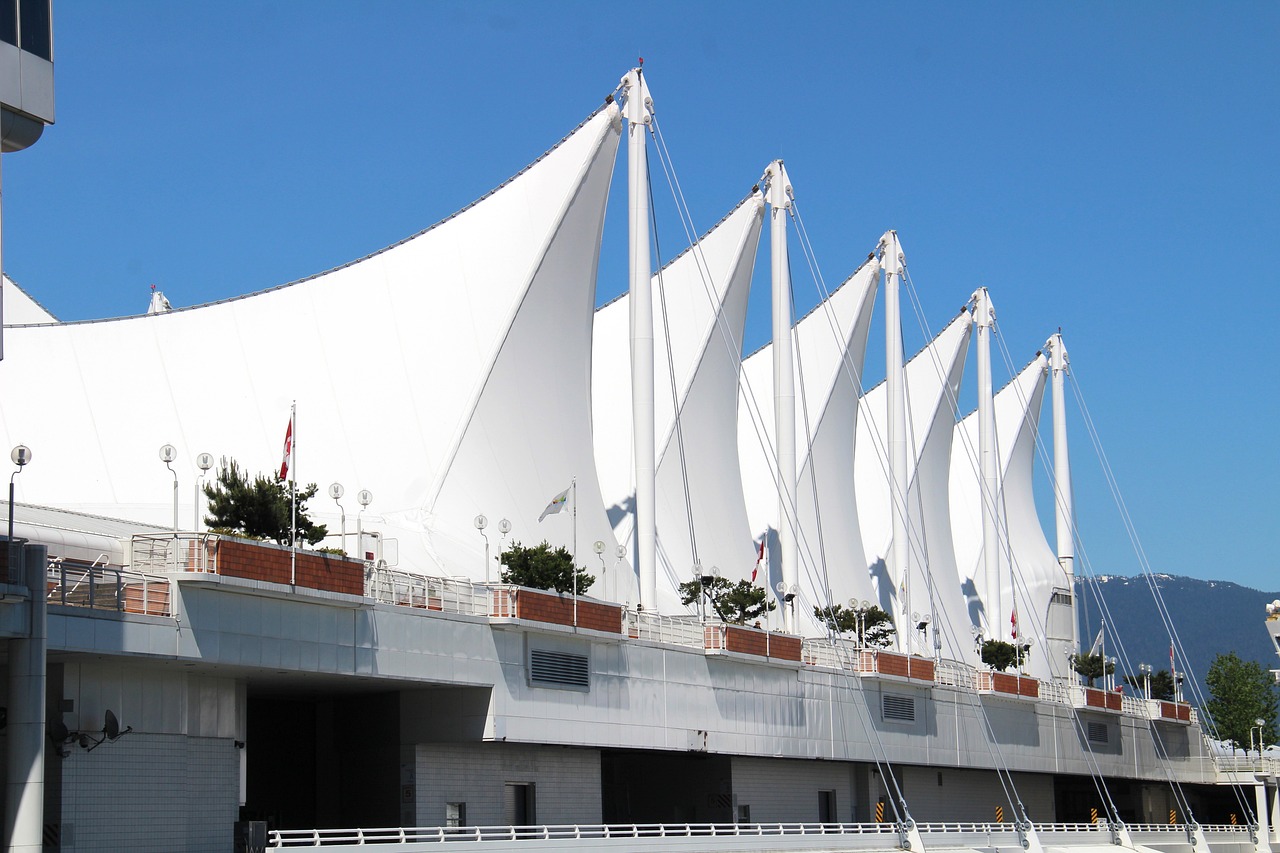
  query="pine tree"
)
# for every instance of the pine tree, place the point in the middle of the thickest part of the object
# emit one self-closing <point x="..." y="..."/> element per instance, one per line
<point x="542" y="567"/>
<point x="259" y="508"/>
<point x="736" y="603"/>
<point x="873" y="627"/>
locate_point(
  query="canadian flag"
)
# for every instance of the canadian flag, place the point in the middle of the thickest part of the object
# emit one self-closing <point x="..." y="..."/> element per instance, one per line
<point x="1013" y="623"/>
<point x="288" y="450"/>
<point x="759" y="561"/>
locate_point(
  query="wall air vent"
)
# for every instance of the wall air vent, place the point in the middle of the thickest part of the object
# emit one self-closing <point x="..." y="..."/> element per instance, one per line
<point x="558" y="669"/>
<point x="1097" y="733"/>
<point x="900" y="709"/>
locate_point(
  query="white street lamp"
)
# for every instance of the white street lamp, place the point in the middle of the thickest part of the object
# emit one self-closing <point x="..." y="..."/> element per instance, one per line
<point x="168" y="453"/>
<point x="364" y="497"/>
<point x="204" y="462"/>
<point x="336" y="491"/>
<point x="21" y="455"/>
<point x="481" y="523"/>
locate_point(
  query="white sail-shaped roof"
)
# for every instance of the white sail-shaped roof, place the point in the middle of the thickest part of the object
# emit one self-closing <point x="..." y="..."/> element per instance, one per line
<point x="705" y="291"/>
<point x="1035" y="570"/>
<point x="448" y="374"/>
<point x="932" y="384"/>
<point x="20" y="308"/>
<point x="830" y="344"/>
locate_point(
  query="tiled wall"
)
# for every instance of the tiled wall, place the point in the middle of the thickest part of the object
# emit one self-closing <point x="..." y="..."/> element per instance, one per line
<point x="566" y="781"/>
<point x="151" y="792"/>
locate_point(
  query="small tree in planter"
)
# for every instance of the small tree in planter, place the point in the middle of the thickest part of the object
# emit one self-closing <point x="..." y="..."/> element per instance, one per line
<point x="873" y="627"/>
<point x="736" y="603"/>
<point x="1000" y="655"/>
<point x="259" y="508"/>
<point x="1092" y="666"/>
<point x="1161" y="684"/>
<point x="544" y="567"/>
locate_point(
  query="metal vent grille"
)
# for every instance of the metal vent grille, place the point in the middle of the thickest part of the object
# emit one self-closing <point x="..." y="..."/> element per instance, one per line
<point x="1097" y="733"/>
<point x="558" y="669"/>
<point x="899" y="708"/>
<point x="1060" y="596"/>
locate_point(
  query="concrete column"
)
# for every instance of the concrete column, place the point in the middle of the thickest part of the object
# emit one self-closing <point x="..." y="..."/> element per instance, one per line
<point x="1262" y="809"/>
<point x="24" y="791"/>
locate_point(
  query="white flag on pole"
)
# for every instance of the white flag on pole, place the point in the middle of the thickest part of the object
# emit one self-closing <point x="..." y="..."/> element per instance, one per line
<point x="1097" y="643"/>
<point x="557" y="504"/>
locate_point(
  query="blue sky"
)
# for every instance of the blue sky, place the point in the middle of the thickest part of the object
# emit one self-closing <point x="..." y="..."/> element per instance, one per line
<point x="1107" y="168"/>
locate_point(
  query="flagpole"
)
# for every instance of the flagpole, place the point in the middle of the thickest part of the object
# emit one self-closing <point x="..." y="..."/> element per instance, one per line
<point x="293" y="494"/>
<point x="574" y="484"/>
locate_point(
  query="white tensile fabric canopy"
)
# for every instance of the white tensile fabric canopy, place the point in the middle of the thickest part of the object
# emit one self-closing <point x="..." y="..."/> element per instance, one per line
<point x="465" y="371"/>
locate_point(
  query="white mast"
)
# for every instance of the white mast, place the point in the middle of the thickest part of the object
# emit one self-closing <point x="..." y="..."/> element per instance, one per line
<point x="779" y="195"/>
<point x="984" y="317"/>
<point x="1064" y="509"/>
<point x="896" y="418"/>
<point x="638" y="110"/>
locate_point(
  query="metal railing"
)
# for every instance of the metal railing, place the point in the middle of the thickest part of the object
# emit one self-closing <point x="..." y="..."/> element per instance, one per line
<point x="390" y="586"/>
<point x="102" y="587"/>
<point x="680" y="836"/>
<point x="676" y="630"/>
<point x="953" y="673"/>
<point x="176" y="552"/>
<point x="570" y="832"/>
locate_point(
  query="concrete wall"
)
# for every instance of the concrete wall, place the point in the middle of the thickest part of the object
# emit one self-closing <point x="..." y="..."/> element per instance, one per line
<point x="566" y="780"/>
<point x="787" y="790"/>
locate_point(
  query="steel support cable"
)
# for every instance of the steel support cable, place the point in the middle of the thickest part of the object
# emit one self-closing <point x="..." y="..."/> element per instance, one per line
<point x="1130" y="529"/>
<point x="1207" y="721"/>
<point x="899" y="805"/>
<point x="1003" y="771"/>
<point x="1091" y="760"/>
<point x="921" y="546"/>
<point x="671" y="375"/>
<point x="1018" y="578"/>
<point x="721" y="323"/>
<point x="704" y="275"/>
<point x="1159" y="746"/>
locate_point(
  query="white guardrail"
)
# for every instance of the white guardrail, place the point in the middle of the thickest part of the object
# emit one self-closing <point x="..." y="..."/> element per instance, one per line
<point x="730" y="836"/>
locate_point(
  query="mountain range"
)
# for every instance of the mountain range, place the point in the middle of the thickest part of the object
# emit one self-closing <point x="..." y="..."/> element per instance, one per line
<point x="1210" y="618"/>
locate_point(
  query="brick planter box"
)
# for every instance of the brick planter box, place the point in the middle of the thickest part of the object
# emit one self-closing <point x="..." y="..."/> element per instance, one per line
<point x="1012" y="685"/>
<point x="540" y="606"/>
<point x="904" y="666"/>
<point x="1179" y="711"/>
<point x="257" y="561"/>
<point x="1105" y="699"/>
<point x="752" y="641"/>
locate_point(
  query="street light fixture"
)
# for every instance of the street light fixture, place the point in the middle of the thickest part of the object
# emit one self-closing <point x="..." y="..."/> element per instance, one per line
<point x="336" y="491"/>
<point x="21" y="455"/>
<point x="481" y="523"/>
<point x="504" y="527"/>
<point x="168" y="453"/>
<point x="204" y="462"/>
<point x="1258" y="725"/>
<point x="364" y="497"/>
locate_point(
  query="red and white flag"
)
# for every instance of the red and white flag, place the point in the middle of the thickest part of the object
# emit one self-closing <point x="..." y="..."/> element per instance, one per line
<point x="759" y="561"/>
<point x="1013" y="623"/>
<point x="288" y="450"/>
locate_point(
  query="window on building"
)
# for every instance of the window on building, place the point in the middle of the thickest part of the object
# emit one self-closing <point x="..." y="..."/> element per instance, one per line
<point x="455" y="814"/>
<point x="744" y="813"/>
<point x="827" y="807"/>
<point x="9" y="22"/>
<point x="35" y="27"/>
<point x="518" y="805"/>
